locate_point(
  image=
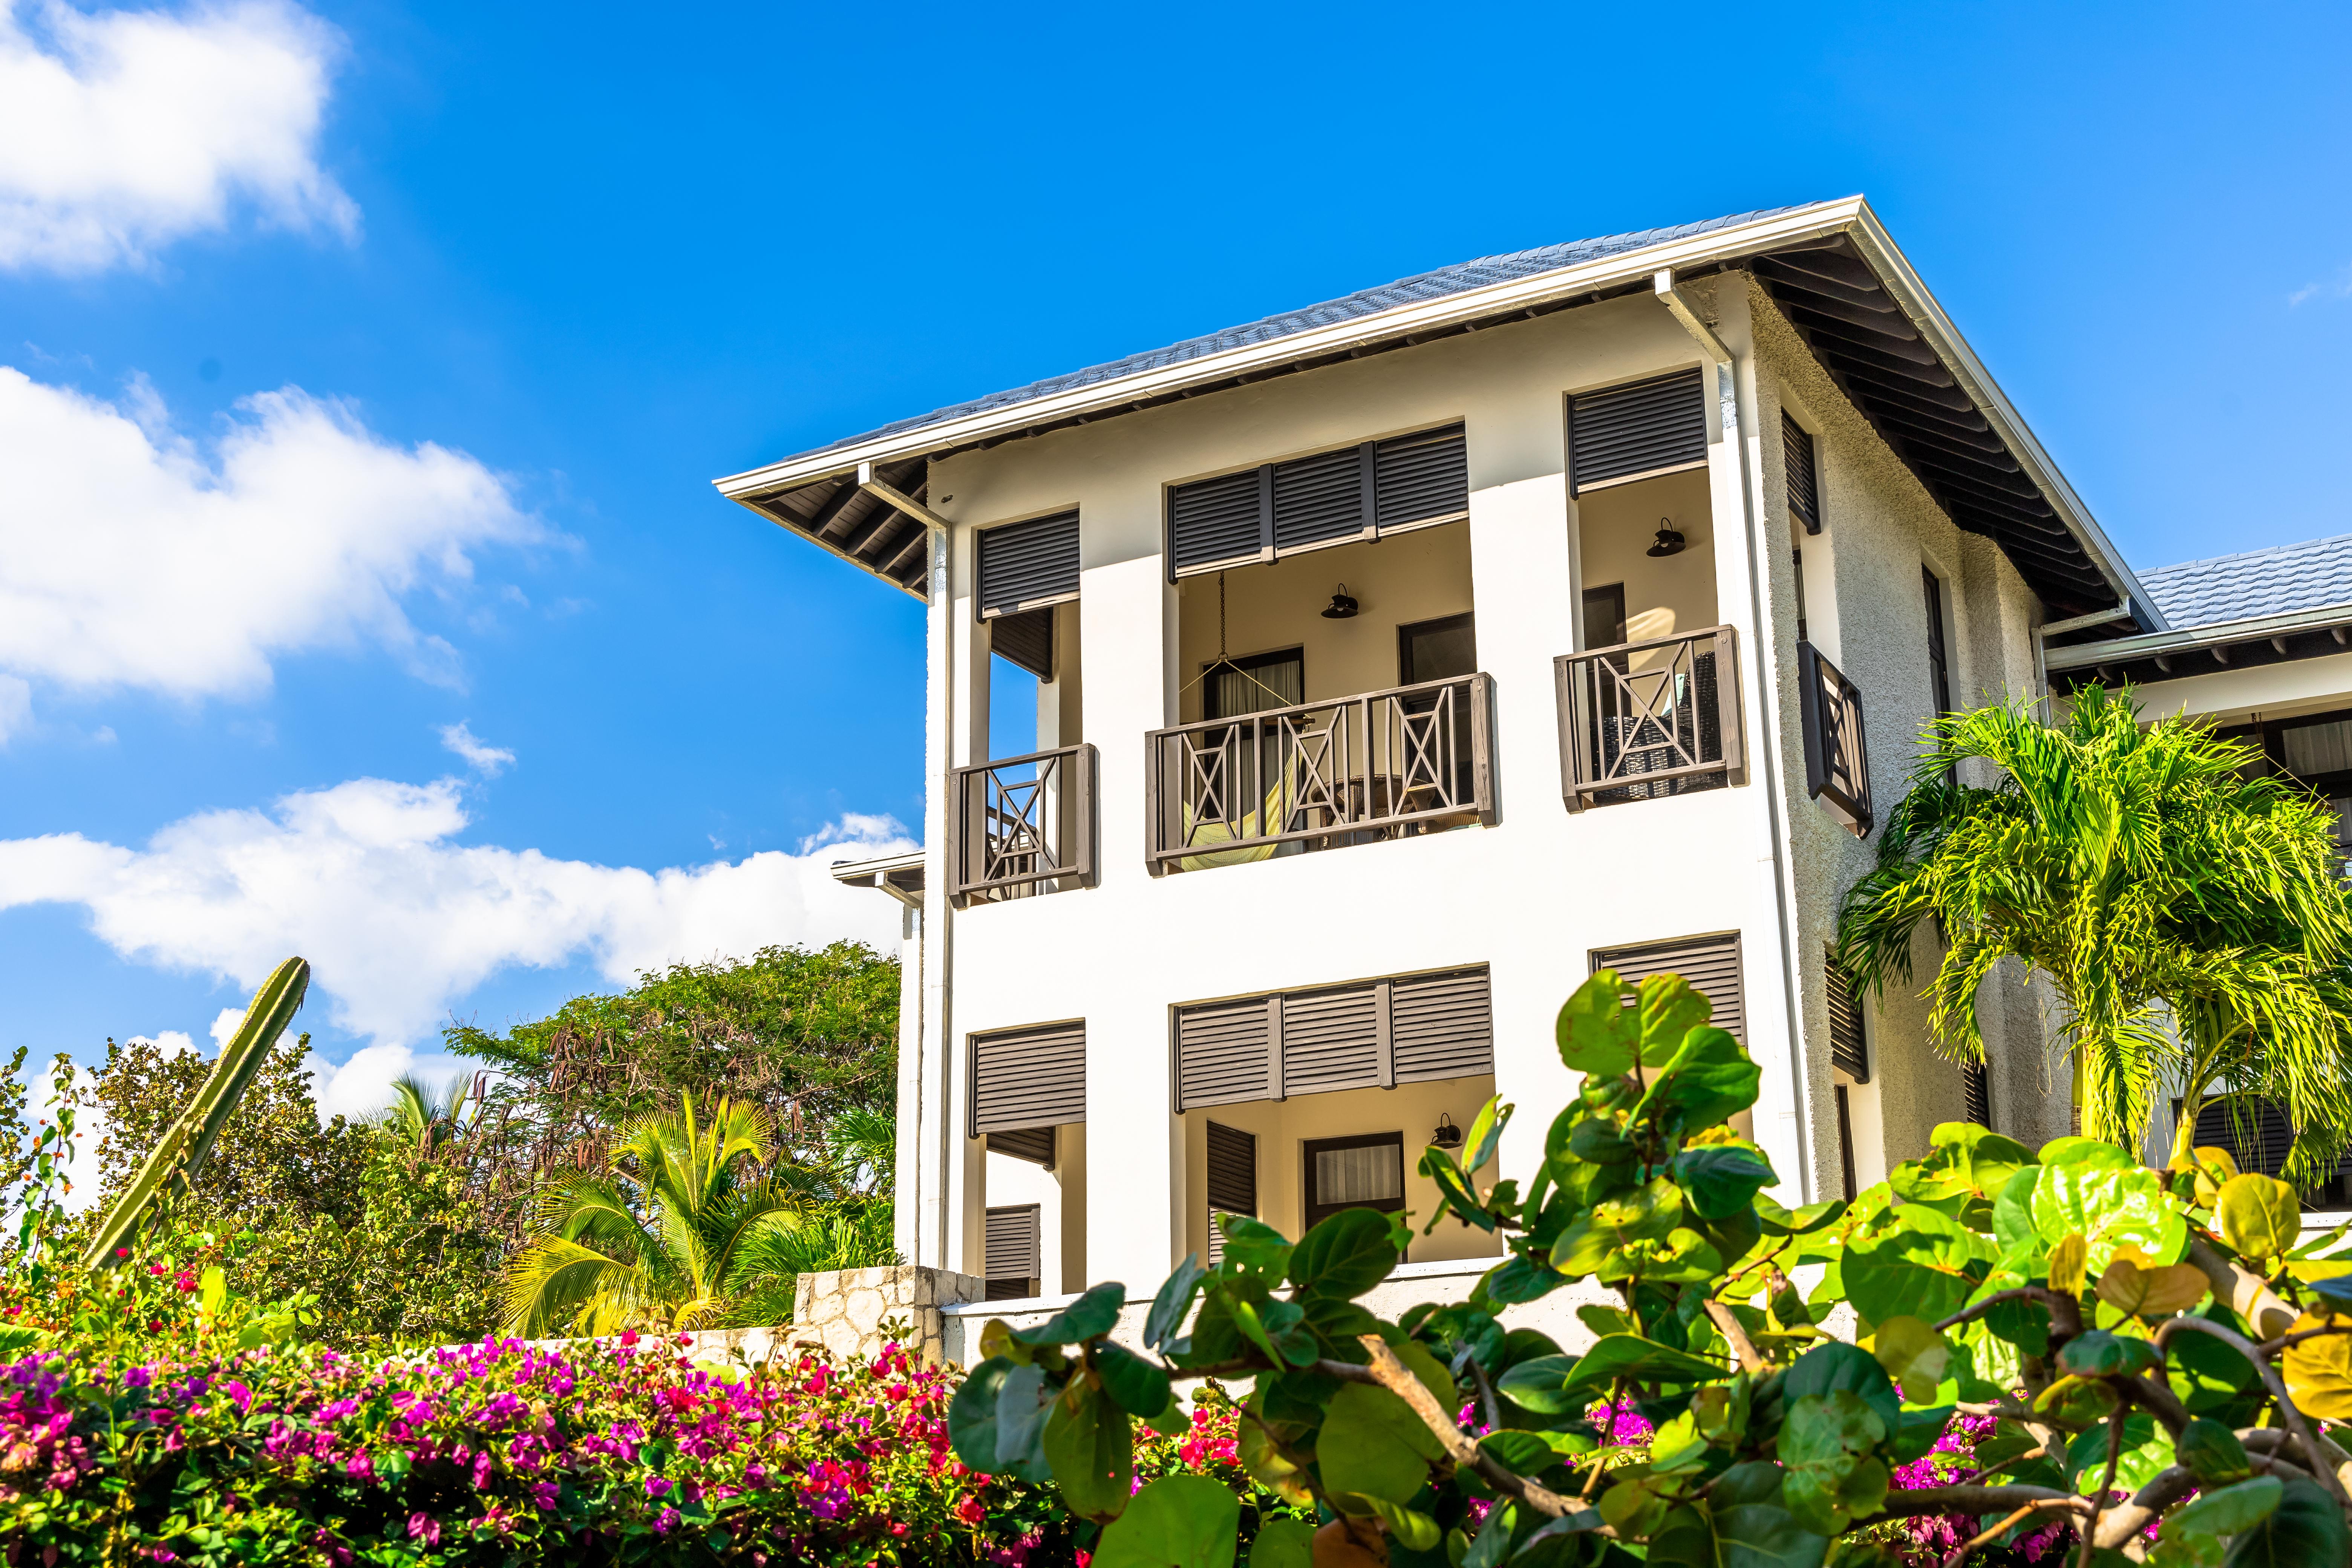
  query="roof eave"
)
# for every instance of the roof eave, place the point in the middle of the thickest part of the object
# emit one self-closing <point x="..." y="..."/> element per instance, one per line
<point x="2215" y="634"/>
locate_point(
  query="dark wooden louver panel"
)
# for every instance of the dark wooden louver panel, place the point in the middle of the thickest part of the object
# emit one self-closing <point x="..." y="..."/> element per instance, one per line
<point x="1422" y="478"/>
<point x="1330" y="1040"/>
<point x="1441" y="1026"/>
<point x="1804" y="478"/>
<point x="1711" y="964"/>
<point x="1215" y="523"/>
<point x="1848" y="1053"/>
<point x="1223" y="1055"/>
<point x="1028" y="1077"/>
<point x="1027" y="639"/>
<point x="1318" y="500"/>
<point x="1035" y="1143"/>
<point x="1331" y="497"/>
<point x="1977" y="1091"/>
<point x="1233" y="1169"/>
<point x="1014" y="1257"/>
<point x="1637" y="431"/>
<point x="1025" y="565"/>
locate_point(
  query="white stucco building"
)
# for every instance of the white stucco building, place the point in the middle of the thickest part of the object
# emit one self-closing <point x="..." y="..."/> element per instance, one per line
<point x="1396" y="663"/>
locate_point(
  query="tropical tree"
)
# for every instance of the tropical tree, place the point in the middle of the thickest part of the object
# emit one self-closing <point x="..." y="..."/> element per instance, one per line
<point x="661" y="1236"/>
<point x="424" y="1118"/>
<point x="2189" y="914"/>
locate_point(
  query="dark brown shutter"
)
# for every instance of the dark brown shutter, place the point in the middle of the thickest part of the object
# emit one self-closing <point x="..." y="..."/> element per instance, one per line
<point x="1318" y="500"/>
<point x="1035" y="1143"/>
<point x="1029" y="1078"/>
<point x="1977" y="1094"/>
<point x="1441" y="1026"/>
<point x="1638" y="431"/>
<point x="1330" y="1040"/>
<point x="1214" y="522"/>
<point x="1711" y="964"/>
<point x="1330" y="498"/>
<point x="1027" y="639"/>
<point x="1014" y="1260"/>
<point x="1233" y="1169"/>
<point x="1848" y="1053"/>
<point x="1025" y="565"/>
<point x="1803" y="477"/>
<point x="1223" y="1055"/>
<point x="1422" y="478"/>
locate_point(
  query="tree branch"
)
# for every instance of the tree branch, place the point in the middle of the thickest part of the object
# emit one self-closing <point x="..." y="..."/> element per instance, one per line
<point x="2244" y="1347"/>
<point x="1979" y="1499"/>
<point x="2256" y="1304"/>
<point x="1736" y="1336"/>
<point x="1385" y="1370"/>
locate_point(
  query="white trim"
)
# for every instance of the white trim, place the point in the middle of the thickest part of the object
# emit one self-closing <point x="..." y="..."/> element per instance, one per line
<point x="2122" y="650"/>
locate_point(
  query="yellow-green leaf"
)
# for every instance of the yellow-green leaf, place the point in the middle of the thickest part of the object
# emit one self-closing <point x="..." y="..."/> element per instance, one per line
<point x="2258" y="1216"/>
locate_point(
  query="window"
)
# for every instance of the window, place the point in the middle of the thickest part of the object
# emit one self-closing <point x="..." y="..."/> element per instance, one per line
<point x="1849" y="1052"/>
<point x="1233" y="1180"/>
<point x="1804" y="484"/>
<point x="1711" y="964"/>
<point x="1797" y="559"/>
<point x="1254" y="683"/>
<point x="1436" y="651"/>
<point x="1023" y="565"/>
<point x="1012" y="1253"/>
<point x="1366" y="1171"/>
<point x="1637" y="431"/>
<point x="1028" y="1077"/>
<point x="1604" y="615"/>
<point x="1939" y="664"/>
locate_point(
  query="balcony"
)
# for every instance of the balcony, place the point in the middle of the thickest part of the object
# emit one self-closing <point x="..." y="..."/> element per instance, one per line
<point x="1320" y="775"/>
<point x="1643" y="720"/>
<point x="1837" y="757"/>
<point x="1023" y="826"/>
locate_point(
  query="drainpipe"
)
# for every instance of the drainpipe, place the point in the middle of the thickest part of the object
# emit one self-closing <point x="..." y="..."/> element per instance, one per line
<point x="1726" y="392"/>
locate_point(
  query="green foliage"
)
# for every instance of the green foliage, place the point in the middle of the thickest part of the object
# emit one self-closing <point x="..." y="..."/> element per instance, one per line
<point x="2143" y="871"/>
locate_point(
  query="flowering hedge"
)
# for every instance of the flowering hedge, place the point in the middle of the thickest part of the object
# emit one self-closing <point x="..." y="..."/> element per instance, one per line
<point x="503" y="1452"/>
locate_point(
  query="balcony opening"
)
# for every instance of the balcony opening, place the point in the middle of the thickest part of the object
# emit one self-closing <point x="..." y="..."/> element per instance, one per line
<point x="1329" y="697"/>
<point x="1028" y="1106"/>
<point x="1649" y="704"/>
<point x="1024" y="819"/>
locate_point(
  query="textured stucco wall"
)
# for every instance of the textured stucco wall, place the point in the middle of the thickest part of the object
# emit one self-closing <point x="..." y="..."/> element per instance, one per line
<point x="1865" y="603"/>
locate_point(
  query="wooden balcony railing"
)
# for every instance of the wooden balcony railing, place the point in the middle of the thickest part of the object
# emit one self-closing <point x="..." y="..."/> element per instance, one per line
<point x="1646" y="720"/>
<point x="1023" y="826"/>
<point x="1837" y="756"/>
<point x="1379" y="765"/>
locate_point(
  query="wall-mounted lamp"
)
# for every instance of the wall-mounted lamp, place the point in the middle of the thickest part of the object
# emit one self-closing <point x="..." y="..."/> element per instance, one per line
<point x="1341" y="607"/>
<point x="1669" y="542"/>
<point x="1447" y="1135"/>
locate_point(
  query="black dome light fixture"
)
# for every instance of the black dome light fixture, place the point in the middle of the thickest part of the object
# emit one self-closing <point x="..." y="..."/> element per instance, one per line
<point x="1669" y="542"/>
<point x="1447" y="1135"/>
<point x="1341" y="607"/>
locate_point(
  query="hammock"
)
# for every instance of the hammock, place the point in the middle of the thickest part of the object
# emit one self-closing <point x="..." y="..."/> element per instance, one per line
<point x="1274" y="809"/>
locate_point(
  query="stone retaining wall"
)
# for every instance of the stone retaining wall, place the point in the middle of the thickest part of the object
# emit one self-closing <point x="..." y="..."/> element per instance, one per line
<point x="844" y="1309"/>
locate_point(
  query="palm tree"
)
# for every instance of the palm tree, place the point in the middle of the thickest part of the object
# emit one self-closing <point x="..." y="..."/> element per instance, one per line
<point x="424" y="1118"/>
<point x="661" y="1236"/>
<point x="2192" y="918"/>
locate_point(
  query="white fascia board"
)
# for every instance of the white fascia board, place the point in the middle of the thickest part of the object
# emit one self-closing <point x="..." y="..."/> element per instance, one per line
<point x="2123" y="650"/>
<point x="862" y="872"/>
<point x="1895" y="272"/>
<point x="1819" y="221"/>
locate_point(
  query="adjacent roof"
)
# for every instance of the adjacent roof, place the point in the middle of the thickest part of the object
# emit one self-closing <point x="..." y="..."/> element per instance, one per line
<point x="1831" y="267"/>
<point x="2274" y="582"/>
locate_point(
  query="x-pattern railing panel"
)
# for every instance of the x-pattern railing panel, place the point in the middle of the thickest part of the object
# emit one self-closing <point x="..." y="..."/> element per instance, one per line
<point x="1644" y="721"/>
<point x="1837" y="748"/>
<point x="1024" y="824"/>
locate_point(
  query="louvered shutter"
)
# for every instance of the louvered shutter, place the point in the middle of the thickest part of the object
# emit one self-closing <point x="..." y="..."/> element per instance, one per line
<point x="1013" y="1257"/>
<point x="1027" y="639"/>
<point x="1025" y="565"/>
<point x="1330" y="1040"/>
<point x="1711" y="964"/>
<point x="2258" y="1139"/>
<point x="1216" y="522"/>
<point x="1421" y="480"/>
<point x="1441" y="1026"/>
<point x="1028" y="1077"/>
<point x="1637" y="431"/>
<point x="1233" y="1169"/>
<point x="1848" y="1052"/>
<point x="1319" y="501"/>
<point x="1976" y="1092"/>
<point x="1033" y="1143"/>
<point x="1223" y="1055"/>
<point x="1804" y="480"/>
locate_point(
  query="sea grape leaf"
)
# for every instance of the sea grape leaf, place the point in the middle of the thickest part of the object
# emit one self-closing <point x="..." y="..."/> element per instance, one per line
<point x="1921" y="1265"/>
<point x="2111" y="1206"/>
<point x="1094" y="1313"/>
<point x="1836" y="1366"/>
<point x="2229" y="1510"/>
<point x="2146" y="1453"/>
<point x="1372" y="1443"/>
<point x="1177" y="1521"/>
<point x="2319" y="1372"/>
<point x="1022" y="1397"/>
<point x="1630" y="1356"/>
<point x="2258" y="1216"/>
<point x="1344" y="1256"/>
<point x="1140" y="1388"/>
<point x="1722" y="1180"/>
<point x="1708" y="1080"/>
<point x="1598" y="1034"/>
<point x="2152" y="1293"/>
<point x="1283" y="1543"/>
<point x="2211" y="1452"/>
<point x="1914" y="1354"/>
<point x="2304" y="1529"/>
<point x="1175" y="1300"/>
<point x="1089" y="1443"/>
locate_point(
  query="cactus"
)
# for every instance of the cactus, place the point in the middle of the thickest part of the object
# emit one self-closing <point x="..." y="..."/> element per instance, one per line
<point x="176" y="1160"/>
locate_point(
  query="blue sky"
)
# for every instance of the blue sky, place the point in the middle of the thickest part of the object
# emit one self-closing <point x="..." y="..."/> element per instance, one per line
<point x="371" y="362"/>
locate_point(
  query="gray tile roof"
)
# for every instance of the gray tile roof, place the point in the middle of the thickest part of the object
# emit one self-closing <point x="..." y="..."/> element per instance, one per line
<point x="1413" y="290"/>
<point x="2274" y="582"/>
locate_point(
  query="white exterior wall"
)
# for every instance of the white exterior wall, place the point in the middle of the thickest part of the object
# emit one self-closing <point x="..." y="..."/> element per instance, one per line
<point x="1531" y="897"/>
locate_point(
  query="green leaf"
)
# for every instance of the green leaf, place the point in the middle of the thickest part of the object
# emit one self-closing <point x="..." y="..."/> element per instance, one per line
<point x="2099" y="1353"/>
<point x="1708" y="1080"/>
<point x="1493" y="1545"/>
<point x="1518" y="1279"/>
<point x="1092" y="1315"/>
<point x="1486" y="1133"/>
<point x="1175" y="1300"/>
<point x="2146" y="1452"/>
<point x="2305" y="1531"/>
<point x="1177" y="1521"/>
<point x="1629" y="1355"/>
<point x="1919" y="1266"/>
<point x="2012" y="1212"/>
<point x="1254" y="1246"/>
<point x="1521" y="1453"/>
<point x="1345" y="1256"/>
<point x="2211" y="1451"/>
<point x="1669" y="1008"/>
<point x="1418" y="1531"/>
<point x="1597" y="1034"/>
<point x="1283" y="1543"/>
<point x="1825" y="1369"/>
<point x="1540" y="1385"/>
<point x="1089" y="1443"/>
<point x="1761" y="1536"/>
<point x="972" y="1415"/>
<point x="2231" y="1510"/>
<point x="1722" y="1179"/>
<point x="1021" y="1401"/>
<point x="1140" y="1388"/>
<point x="1372" y="1443"/>
<point x="2258" y="1216"/>
<point x="2109" y="1207"/>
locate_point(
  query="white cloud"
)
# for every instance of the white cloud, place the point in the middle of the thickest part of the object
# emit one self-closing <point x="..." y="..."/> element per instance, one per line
<point x="399" y="920"/>
<point x="130" y="558"/>
<point x="2336" y="288"/>
<point x="486" y="759"/>
<point x="226" y="1024"/>
<point x="170" y="1042"/>
<point x="16" y="706"/>
<point x="123" y="130"/>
